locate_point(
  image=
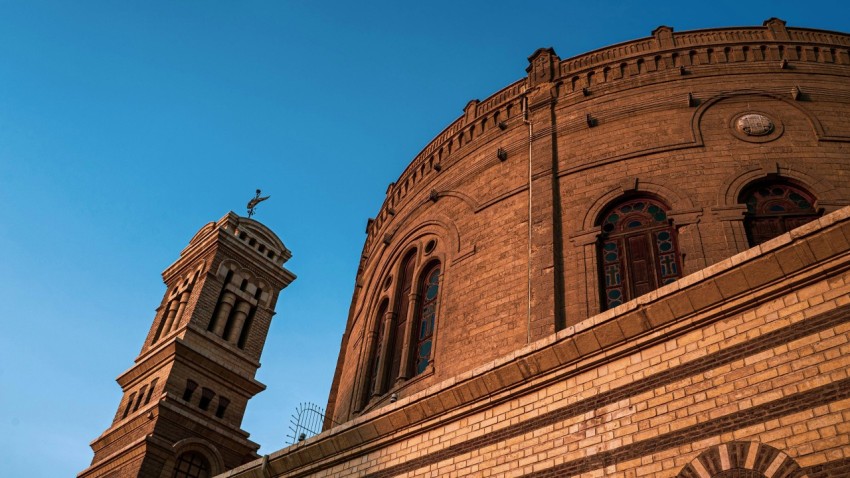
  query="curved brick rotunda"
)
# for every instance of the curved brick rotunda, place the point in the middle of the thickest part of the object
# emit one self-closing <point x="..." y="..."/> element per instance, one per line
<point x="633" y="263"/>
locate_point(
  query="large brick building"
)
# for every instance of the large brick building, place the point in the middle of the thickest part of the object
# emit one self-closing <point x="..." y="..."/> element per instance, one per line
<point x="633" y="262"/>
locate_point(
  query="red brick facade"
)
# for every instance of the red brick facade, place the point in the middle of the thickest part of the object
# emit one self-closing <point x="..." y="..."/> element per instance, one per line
<point x="594" y="181"/>
<point x="689" y="120"/>
<point x="631" y="263"/>
<point x="185" y="397"/>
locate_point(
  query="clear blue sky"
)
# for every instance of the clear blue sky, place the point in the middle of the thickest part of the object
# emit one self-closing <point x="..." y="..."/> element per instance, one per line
<point x="126" y="126"/>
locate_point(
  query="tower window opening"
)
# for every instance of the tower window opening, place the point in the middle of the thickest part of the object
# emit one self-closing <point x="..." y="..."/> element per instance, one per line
<point x="246" y="328"/>
<point x="223" y="306"/>
<point x="206" y="397"/>
<point x="230" y="321"/>
<point x="222" y="407"/>
<point x="141" y="397"/>
<point x="129" y="405"/>
<point x="191" y="385"/>
<point x="150" y="391"/>
<point x="170" y="307"/>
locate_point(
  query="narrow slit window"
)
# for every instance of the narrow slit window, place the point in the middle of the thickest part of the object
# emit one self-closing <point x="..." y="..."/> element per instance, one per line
<point x="141" y="397"/>
<point x="129" y="405"/>
<point x="150" y="391"/>
<point x="207" y="396"/>
<point x="191" y="385"/>
<point x="222" y="407"/>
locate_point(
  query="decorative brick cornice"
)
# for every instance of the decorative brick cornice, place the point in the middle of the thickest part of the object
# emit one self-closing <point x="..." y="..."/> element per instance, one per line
<point x="666" y="54"/>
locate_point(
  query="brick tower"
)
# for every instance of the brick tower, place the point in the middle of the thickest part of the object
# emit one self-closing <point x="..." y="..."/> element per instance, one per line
<point x="185" y="396"/>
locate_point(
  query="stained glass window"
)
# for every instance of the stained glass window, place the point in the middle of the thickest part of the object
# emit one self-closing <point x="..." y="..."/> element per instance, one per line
<point x="429" y="290"/>
<point x="774" y="208"/>
<point x="638" y="251"/>
<point x="403" y="346"/>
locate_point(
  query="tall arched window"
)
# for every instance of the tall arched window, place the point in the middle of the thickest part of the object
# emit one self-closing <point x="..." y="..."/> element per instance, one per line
<point x="192" y="465"/>
<point x="402" y="345"/>
<point x="638" y="251"/>
<point x="775" y="207"/>
<point x="429" y="288"/>
<point x="400" y="322"/>
<point x="375" y="364"/>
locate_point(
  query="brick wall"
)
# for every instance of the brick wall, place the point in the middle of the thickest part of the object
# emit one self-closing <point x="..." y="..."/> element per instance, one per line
<point x="742" y="365"/>
<point x="653" y="117"/>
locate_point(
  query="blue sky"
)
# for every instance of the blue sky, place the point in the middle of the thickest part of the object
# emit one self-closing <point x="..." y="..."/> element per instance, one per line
<point x="126" y="126"/>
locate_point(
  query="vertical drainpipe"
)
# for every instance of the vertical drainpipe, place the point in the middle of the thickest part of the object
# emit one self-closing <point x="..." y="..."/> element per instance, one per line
<point x="528" y="270"/>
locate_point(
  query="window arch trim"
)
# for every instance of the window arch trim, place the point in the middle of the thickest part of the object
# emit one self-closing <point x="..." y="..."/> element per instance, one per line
<point x="633" y="187"/>
<point x="774" y="206"/>
<point x="732" y="188"/>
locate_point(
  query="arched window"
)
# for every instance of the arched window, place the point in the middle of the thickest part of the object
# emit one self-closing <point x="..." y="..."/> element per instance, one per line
<point x="375" y="364"/>
<point x="638" y="251"/>
<point x="400" y="322"/>
<point x="192" y="465"/>
<point x="429" y="288"/>
<point x="774" y="208"/>
<point x="403" y="328"/>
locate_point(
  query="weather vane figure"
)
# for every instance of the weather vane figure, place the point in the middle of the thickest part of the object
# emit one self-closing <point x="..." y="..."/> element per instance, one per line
<point x="253" y="203"/>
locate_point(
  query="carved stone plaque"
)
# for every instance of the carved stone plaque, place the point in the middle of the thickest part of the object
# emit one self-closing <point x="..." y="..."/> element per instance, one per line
<point x="754" y="124"/>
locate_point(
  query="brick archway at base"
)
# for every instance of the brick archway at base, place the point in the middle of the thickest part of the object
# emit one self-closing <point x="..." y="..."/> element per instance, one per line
<point x="741" y="459"/>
